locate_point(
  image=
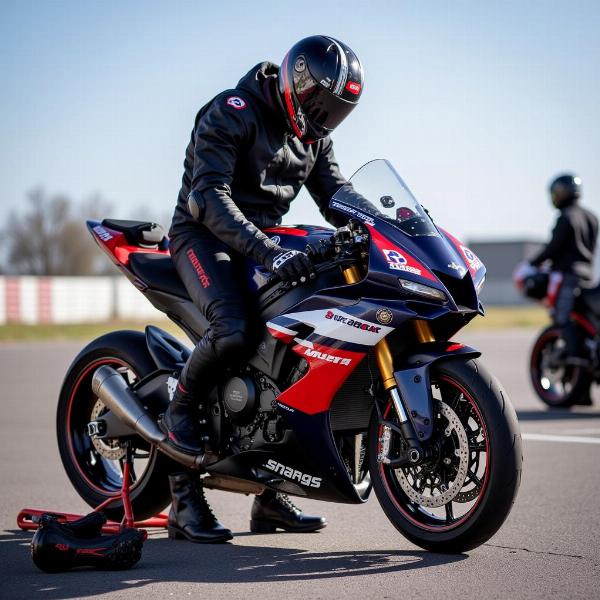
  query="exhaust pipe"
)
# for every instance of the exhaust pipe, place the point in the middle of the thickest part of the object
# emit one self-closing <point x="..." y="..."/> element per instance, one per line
<point x="113" y="391"/>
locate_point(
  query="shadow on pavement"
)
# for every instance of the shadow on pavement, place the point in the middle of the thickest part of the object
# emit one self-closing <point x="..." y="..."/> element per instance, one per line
<point x="182" y="562"/>
<point x="557" y="414"/>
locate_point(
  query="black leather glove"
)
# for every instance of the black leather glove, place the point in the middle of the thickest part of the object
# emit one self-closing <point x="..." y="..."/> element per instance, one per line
<point x="290" y="266"/>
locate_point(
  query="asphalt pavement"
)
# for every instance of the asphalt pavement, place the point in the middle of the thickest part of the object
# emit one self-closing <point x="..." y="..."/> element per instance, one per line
<point x="548" y="548"/>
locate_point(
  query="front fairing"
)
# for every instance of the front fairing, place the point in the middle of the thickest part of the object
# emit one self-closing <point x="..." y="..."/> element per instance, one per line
<point x="413" y="249"/>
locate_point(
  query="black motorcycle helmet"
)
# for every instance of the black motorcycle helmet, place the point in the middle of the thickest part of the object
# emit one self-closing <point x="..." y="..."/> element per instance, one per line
<point x="565" y="190"/>
<point x="320" y="81"/>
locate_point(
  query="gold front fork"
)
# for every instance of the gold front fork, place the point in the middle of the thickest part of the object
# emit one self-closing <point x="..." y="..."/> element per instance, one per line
<point x="383" y="355"/>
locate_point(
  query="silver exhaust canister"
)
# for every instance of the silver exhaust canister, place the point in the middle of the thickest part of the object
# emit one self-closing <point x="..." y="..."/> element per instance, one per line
<point x="117" y="396"/>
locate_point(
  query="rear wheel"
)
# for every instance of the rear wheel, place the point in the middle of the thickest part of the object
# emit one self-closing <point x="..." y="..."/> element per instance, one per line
<point x="558" y="386"/>
<point x="95" y="466"/>
<point x="458" y="497"/>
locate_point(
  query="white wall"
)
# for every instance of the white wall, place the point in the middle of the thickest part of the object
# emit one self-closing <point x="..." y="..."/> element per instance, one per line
<point x="71" y="300"/>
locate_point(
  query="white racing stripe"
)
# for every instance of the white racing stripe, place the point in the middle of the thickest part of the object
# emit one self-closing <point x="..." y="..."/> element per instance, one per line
<point x="342" y="326"/>
<point x="565" y="439"/>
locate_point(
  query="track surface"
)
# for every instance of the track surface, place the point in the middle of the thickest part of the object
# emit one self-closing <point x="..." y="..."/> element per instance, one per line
<point x="549" y="547"/>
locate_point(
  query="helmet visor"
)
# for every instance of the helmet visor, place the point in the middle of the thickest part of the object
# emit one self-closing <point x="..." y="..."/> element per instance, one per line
<point x="323" y="110"/>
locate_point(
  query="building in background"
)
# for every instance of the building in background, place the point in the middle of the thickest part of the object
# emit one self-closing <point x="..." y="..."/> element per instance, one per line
<point x="500" y="259"/>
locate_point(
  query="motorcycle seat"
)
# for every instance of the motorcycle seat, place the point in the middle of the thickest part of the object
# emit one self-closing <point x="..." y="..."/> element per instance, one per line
<point x="591" y="298"/>
<point x="139" y="233"/>
<point x="158" y="272"/>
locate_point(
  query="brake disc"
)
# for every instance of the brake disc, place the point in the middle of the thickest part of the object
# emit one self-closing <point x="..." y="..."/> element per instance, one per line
<point x="427" y="487"/>
<point x="110" y="449"/>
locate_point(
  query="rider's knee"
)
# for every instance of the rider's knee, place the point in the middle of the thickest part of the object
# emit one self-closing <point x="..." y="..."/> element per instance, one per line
<point x="229" y="344"/>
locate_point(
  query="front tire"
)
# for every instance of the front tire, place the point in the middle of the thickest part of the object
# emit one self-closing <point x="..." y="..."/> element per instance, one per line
<point x="96" y="471"/>
<point x="486" y="473"/>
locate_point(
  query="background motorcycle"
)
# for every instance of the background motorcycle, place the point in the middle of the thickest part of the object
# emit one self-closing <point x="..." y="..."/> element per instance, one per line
<point x="354" y="382"/>
<point x="556" y="382"/>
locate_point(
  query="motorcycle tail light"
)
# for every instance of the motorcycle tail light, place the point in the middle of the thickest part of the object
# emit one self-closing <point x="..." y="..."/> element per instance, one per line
<point x="422" y="290"/>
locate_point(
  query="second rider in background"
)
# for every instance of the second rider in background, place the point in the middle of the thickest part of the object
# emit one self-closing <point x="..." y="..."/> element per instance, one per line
<point x="570" y="253"/>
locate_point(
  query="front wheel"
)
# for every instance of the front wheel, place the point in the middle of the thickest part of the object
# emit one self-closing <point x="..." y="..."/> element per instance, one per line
<point x="460" y="495"/>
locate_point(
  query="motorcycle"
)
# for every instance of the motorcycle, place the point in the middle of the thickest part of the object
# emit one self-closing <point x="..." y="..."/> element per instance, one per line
<point x="562" y="381"/>
<point x="355" y="383"/>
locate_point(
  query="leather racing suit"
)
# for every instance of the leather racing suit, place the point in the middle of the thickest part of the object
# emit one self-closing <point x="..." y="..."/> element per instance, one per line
<point x="241" y="171"/>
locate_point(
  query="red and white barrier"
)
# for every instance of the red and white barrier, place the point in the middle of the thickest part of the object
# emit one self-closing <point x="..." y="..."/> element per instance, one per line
<point x="30" y="300"/>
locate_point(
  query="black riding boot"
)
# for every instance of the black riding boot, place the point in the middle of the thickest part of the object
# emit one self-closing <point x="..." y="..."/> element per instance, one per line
<point x="190" y="516"/>
<point x="183" y="422"/>
<point x="272" y="510"/>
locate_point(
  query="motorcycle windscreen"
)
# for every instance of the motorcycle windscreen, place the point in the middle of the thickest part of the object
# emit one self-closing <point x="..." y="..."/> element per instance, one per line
<point x="378" y="190"/>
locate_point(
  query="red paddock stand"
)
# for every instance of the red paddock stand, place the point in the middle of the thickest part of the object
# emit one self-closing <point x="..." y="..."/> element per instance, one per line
<point x="28" y="518"/>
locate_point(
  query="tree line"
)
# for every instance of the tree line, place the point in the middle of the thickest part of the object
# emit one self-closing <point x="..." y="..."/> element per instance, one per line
<point x="49" y="236"/>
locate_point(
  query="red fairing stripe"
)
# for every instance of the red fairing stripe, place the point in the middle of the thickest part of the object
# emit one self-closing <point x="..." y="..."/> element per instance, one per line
<point x="286" y="231"/>
<point x="286" y="338"/>
<point x="328" y="368"/>
<point x="455" y="347"/>
<point x="412" y="265"/>
<point x="469" y="258"/>
<point x="115" y="244"/>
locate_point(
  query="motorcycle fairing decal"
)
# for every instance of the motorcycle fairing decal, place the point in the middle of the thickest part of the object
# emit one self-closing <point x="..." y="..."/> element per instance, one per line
<point x="398" y="259"/>
<point x="328" y="368"/>
<point x="280" y="332"/>
<point x="470" y="259"/>
<point x="115" y="244"/>
<point x="339" y="325"/>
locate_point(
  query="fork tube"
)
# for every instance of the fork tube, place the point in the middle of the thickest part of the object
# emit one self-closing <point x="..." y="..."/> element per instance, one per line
<point x="385" y="363"/>
<point x="383" y="355"/>
<point x="423" y="332"/>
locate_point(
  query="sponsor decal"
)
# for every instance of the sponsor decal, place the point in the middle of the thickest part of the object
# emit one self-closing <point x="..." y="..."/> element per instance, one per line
<point x="276" y="239"/>
<point x="104" y="235"/>
<point x="352" y="322"/>
<point x="61" y="547"/>
<point x="236" y="102"/>
<point x="327" y="357"/>
<point x="171" y="387"/>
<point x="293" y="474"/>
<point x="397" y="261"/>
<point x="326" y="82"/>
<point x="471" y="258"/>
<point x="356" y="213"/>
<point x="353" y="87"/>
<point x="300" y="64"/>
<point x="384" y="316"/>
<point x="285" y="407"/>
<point x="202" y="276"/>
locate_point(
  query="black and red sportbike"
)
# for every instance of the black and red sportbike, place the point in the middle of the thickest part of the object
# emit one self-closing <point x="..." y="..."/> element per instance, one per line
<point x="355" y="382"/>
<point x="562" y="381"/>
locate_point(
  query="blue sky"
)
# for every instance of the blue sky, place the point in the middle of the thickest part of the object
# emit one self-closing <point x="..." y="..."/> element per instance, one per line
<point x="477" y="104"/>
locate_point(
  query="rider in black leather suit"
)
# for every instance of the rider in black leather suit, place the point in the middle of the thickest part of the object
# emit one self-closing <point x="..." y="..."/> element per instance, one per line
<point x="251" y="150"/>
<point x="570" y="253"/>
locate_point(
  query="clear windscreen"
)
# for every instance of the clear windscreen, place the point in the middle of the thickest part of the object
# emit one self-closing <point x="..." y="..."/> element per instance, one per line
<point x="377" y="190"/>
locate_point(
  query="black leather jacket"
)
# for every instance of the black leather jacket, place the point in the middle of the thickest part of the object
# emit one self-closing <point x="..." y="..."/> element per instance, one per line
<point x="243" y="168"/>
<point x="571" y="249"/>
